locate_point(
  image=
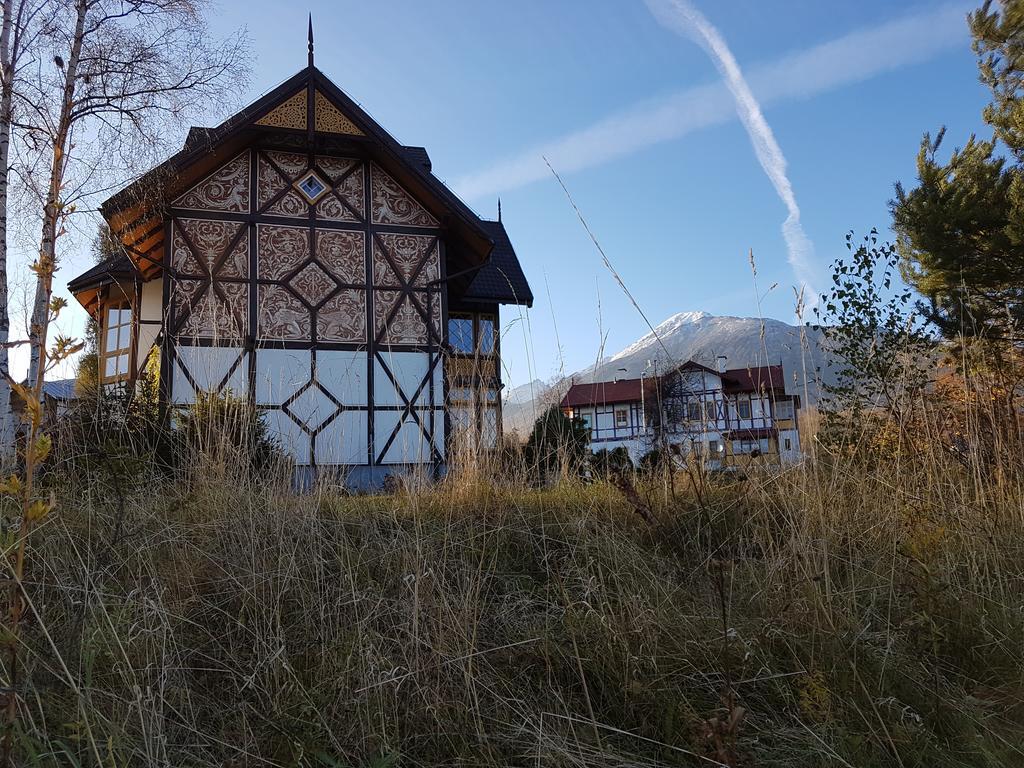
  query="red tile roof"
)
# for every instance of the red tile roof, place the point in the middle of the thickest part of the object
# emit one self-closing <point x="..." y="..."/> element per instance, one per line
<point x="766" y="378"/>
<point x="608" y="392"/>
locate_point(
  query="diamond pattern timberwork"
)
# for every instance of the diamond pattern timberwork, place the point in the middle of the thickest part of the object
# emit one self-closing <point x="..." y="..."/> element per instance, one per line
<point x="312" y="284"/>
<point x="287" y="186"/>
<point x="226" y="189"/>
<point x="392" y="204"/>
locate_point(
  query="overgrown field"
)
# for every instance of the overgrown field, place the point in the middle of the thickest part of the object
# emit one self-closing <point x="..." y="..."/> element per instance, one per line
<point x="845" y="613"/>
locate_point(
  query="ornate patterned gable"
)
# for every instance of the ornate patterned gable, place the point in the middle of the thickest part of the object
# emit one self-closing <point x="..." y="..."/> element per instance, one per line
<point x="293" y="114"/>
<point x="226" y="189"/>
<point x="391" y="204"/>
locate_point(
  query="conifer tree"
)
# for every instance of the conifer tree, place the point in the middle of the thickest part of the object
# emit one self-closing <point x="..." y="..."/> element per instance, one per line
<point x="960" y="231"/>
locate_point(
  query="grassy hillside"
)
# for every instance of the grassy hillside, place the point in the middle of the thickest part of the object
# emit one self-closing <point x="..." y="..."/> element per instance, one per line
<point x="847" y="613"/>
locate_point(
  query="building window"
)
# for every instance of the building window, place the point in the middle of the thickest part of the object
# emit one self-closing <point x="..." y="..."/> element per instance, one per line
<point x="621" y="418"/>
<point x="784" y="409"/>
<point x="749" y="446"/>
<point x="486" y="340"/>
<point x="489" y="427"/>
<point x="588" y="421"/>
<point x="311" y="187"/>
<point x="117" y="342"/>
<point x="461" y="420"/>
<point x="743" y="409"/>
<point x="460" y="333"/>
<point x="710" y="411"/>
<point x="693" y="410"/>
<point x="474" y="412"/>
<point x="469" y="335"/>
<point x="788" y="444"/>
<point x="713" y="448"/>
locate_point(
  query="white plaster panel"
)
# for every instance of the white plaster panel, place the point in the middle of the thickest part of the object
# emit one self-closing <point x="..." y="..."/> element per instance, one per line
<point x="289" y="435"/>
<point x="343" y="374"/>
<point x="146" y="340"/>
<point x="409" y="370"/>
<point x="410" y="445"/>
<point x="312" y="407"/>
<point x="208" y="366"/>
<point x="343" y="441"/>
<point x="182" y="392"/>
<point x="280" y="373"/>
<point x="152" y="300"/>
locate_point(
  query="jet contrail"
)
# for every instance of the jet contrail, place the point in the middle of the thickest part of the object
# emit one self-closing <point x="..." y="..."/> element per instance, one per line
<point x="681" y="17"/>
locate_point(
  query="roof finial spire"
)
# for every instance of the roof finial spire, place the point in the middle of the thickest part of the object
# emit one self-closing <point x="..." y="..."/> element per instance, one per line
<point x="499" y="209"/>
<point x="311" y="39"/>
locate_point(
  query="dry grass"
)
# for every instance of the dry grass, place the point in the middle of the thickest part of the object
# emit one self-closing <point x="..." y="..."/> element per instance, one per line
<point x="858" y="613"/>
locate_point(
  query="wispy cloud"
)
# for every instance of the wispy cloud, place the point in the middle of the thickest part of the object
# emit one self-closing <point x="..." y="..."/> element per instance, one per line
<point x="849" y="59"/>
<point x="683" y="18"/>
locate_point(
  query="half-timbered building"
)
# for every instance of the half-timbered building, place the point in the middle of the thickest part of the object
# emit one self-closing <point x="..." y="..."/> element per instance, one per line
<point x="298" y="256"/>
<point x="725" y="417"/>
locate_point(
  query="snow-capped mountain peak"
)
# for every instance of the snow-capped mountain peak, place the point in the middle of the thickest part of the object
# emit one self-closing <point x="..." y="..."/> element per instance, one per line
<point x="665" y="328"/>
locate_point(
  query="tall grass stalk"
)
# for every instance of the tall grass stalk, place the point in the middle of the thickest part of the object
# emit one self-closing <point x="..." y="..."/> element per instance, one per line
<point x="864" y="609"/>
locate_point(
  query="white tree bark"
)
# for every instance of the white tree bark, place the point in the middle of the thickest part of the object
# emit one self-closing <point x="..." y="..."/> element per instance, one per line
<point x="53" y="208"/>
<point x="7" y="69"/>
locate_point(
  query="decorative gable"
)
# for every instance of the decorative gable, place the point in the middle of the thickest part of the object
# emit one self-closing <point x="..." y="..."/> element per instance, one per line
<point x="327" y="118"/>
<point x="280" y="191"/>
<point x="226" y="189"/>
<point x="289" y="114"/>
<point x="391" y="204"/>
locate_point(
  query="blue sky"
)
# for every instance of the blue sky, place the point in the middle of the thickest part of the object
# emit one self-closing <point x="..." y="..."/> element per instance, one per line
<point x="636" y="119"/>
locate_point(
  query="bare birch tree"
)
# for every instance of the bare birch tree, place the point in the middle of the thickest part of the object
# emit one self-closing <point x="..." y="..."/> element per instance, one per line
<point x="123" y="74"/>
<point x="117" y="75"/>
<point x="18" y="34"/>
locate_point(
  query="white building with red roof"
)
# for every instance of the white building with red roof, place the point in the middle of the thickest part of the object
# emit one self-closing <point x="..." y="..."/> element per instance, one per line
<point x="727" y="417"/>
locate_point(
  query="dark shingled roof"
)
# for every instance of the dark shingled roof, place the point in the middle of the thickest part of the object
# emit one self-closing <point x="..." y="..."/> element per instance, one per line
<point x="197" y="135"/>
<point x="501" y="279"/>
<point x="418" y="155"/>
<point x="765" y="378"/>
<point x="111" y="268"/>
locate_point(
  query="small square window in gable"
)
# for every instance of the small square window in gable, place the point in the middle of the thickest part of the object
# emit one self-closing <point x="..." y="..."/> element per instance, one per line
<point x="311" y="187"/>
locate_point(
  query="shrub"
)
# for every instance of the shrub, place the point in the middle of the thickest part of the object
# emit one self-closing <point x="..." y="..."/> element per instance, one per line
<point x="558" y="446"/>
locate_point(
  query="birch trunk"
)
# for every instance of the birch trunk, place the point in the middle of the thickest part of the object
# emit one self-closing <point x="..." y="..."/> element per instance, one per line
<point x="7" y="67"/>
<point x="53" y="209"/>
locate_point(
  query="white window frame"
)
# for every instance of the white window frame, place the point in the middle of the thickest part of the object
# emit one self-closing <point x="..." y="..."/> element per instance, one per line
<point x="117" y="318"/>
<point x="740" y="402"/>
<point x="710" y="410"/>
<point x="623" y="411"/>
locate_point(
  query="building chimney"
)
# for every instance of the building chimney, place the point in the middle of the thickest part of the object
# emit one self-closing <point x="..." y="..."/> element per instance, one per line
<point x="721" y="363"/>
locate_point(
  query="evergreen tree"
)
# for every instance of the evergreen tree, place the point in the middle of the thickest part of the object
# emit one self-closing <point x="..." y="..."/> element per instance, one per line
<point x="960" y="231"/>
<point x="558" y="444"/>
